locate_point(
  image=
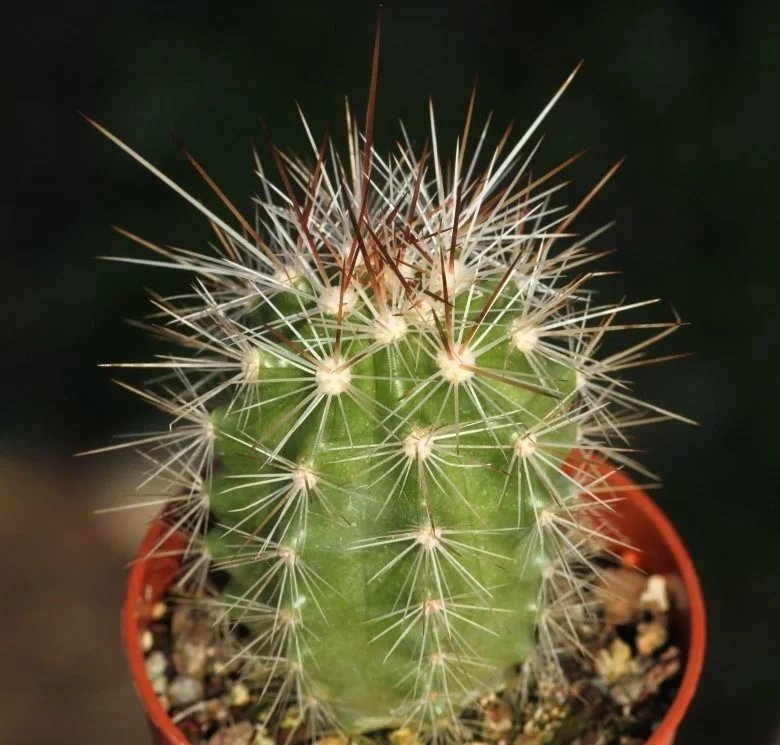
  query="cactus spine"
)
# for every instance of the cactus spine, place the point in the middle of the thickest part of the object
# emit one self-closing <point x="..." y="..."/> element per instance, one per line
<point x="384" y="376"/>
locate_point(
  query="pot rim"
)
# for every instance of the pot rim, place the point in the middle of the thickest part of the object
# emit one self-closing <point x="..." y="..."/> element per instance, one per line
<point x="137" y="605"/>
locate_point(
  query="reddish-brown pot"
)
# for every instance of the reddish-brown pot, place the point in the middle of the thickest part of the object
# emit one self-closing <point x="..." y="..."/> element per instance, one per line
<point x="636" y="516"/>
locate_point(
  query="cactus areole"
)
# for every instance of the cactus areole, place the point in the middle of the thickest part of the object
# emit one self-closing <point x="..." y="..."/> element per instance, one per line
<point x="382" y="377"/>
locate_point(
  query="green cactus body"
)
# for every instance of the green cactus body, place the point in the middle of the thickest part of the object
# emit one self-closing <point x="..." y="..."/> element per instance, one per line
<point x="384" y="524"/>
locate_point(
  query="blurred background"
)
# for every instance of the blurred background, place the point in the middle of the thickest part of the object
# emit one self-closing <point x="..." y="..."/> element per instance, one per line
<point x="689" y="91"/>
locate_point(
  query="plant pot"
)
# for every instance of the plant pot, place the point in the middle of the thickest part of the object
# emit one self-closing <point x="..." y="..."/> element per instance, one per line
<point x="635" y="516"/>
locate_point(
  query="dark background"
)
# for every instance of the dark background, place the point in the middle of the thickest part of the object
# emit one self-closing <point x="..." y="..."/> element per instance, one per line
<point x="689" y="91"/>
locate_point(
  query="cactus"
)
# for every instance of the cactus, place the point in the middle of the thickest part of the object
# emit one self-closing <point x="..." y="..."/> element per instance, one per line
<point x="383" y="377"/>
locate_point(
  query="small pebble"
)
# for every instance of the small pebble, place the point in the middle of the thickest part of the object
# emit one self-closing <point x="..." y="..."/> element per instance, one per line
<point x="147" y="640"/>
<point x="262" y="737"/>
<point x="404" y="736"/>
<point x="498" y="720"/>
<point x="184" y="691"/>
<point x="530" y="728"/>
<point x="239" y="734"/>
<point x="216" y="710"/>
<point x="650" y="636"/>
<point x="239" y="696"/>
<point x="668" y="666"/>
<point x="159" y="686"/>
<point x="615" y="662"/>
<point x="291" y="718"/>
<point x="155" y="665"/>
<point x="159" y="610"/>
<point x="190" y="659"/>
<point x="627" y="691"/>
<point x="655" y="596"/>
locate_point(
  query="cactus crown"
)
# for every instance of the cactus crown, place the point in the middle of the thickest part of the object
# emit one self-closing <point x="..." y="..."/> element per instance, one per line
<point x="383" y="377"/>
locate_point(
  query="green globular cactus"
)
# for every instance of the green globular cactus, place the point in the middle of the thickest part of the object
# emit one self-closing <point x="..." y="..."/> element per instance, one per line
<point x="383" y="377"/>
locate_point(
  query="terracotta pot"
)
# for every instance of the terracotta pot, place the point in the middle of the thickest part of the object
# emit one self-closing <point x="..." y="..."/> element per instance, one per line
<point x="636" y="516"/>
